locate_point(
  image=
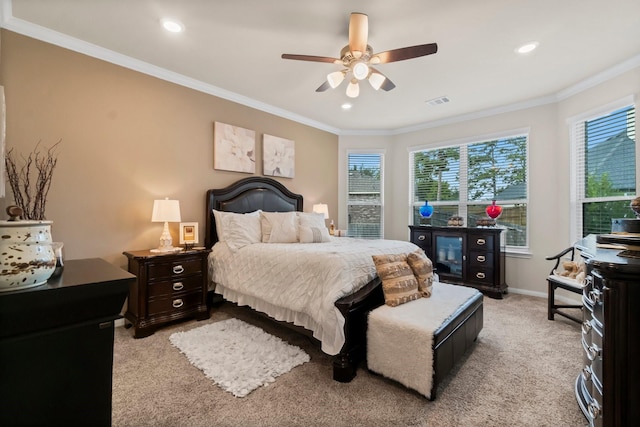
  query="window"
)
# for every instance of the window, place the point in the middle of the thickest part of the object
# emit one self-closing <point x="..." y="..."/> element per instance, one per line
<point x="464" y="179"/>
<point x="365" y="201"/>
<point x="604" y="168"/>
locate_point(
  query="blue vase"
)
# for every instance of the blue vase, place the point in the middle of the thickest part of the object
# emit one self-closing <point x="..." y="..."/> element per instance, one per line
<point x="426" y="210"/>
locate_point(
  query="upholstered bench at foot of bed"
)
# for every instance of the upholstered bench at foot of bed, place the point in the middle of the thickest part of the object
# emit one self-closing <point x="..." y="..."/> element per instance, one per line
<point x="419" y="342"/>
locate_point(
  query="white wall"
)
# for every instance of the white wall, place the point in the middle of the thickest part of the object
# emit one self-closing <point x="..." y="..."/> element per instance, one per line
<point x="549" y="161"/>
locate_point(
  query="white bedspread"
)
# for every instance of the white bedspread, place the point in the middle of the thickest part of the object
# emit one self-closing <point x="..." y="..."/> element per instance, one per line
<point x="299" y="283"/>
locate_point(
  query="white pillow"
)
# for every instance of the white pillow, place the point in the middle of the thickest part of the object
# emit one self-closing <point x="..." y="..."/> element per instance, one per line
<point x="241" y="230"/>
<point x="221" y="216"/>
<point x="279" y="227"/>
<point x="312" y="223"/>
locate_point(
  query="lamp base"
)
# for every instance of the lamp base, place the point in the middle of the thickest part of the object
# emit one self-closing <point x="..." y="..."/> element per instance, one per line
<point x="166" y="243"/>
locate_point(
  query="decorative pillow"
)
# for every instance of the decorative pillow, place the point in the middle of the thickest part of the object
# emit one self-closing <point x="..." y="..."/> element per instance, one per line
<point x="279" y="227"/>
<point x="422" y="268"/>
<point x="241" y="230"/>
<point x="314" y="223"/>
<point x="399" y="285"/>
<point x="221" y="216"/>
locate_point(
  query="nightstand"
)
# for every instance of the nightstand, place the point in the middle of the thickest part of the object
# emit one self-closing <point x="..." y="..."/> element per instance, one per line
<point x="169" y="286"/>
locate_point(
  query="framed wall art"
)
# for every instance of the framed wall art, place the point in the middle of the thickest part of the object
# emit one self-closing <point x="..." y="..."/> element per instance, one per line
<point x="188" y="233"/>
<point x="278" y="156"/>
<point x="234" y="148"/>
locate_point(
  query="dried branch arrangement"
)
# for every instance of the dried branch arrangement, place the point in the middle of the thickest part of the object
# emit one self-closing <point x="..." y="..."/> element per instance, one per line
<point x="31" y="181"/>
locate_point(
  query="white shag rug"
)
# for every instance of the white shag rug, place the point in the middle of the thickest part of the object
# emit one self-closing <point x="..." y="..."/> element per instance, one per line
<point x="237" y="356"/>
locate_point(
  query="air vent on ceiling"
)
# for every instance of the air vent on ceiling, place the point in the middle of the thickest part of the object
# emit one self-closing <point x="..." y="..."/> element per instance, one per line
<point x="438" y="101"/>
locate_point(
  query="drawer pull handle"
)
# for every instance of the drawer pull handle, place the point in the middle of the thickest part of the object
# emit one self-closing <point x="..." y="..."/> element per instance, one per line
<point x="481" y="258"/>
<point x="586" y="373"/>
<point x="594" y="296"/>
<point x="177" y="303"/>
<point x="593" y="352"/>
<point x="480" y="275"/>
<point x="481" y="242"/>
<point x="178" y="269"/>
<point x="421" y="237"/>
<point x="586" y="327"/>
<point x="178" y="286"/>
<point x="593" y="409"/>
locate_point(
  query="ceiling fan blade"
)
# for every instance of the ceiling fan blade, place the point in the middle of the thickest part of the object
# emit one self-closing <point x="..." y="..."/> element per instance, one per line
<point x="311" y="58"/>
<point x="386" y="84"/>
<point x="404" y="53"/>
<point x="358" y="33"/>
<point x="324" y="86"/>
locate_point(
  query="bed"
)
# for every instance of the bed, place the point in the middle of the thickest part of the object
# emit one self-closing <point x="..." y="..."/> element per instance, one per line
<point x="344" y="340"/>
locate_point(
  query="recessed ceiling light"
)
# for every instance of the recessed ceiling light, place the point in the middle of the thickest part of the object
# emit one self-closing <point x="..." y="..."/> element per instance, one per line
<point x="527" y="48"/>
<point x="172" y="25"/>
<point x="346" y="106"/>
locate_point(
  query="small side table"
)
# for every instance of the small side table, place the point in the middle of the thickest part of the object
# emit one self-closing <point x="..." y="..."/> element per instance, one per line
<point x="169" y="286"/>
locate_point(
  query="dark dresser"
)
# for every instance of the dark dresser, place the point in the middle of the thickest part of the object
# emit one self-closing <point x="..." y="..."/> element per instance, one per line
<point x="608" y="387"/>
<point x="465" y="256"/>
<point x="56" y="347"/>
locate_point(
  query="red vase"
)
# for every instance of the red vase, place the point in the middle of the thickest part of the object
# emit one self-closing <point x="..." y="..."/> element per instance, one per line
<point x="494" y="210"/>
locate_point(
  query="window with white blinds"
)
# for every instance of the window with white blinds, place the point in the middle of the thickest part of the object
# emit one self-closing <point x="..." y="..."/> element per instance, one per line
<point x="604" y="151"/>
<point x="365" y="198"/>
<point x="464" y="179"/>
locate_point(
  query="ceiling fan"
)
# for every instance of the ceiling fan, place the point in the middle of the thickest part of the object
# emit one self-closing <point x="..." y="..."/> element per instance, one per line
<point x="357" y="59"/>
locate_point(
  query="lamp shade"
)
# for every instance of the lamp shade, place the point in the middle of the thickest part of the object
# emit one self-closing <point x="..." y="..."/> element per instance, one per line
<point x="166" y="211"/>
<point x="321" y="208"/>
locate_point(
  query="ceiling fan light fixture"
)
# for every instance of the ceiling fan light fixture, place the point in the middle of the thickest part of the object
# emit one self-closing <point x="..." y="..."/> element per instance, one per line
<point x="376" y="80"/>
<point x="360" y="70"/>
<point x="353" y="90"/>
<point x="335" y="78"/>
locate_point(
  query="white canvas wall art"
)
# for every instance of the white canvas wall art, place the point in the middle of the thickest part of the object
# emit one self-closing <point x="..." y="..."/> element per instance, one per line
<point x="279" y="156"/>
<point x="234" y="148"/>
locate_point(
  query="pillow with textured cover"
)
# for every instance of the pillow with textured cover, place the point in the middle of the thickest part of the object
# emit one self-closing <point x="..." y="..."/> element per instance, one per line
<point x="399" y="285"/>
<point x="279" y="227"/>
<point x="241" y="230"/>
<point x="422" y="268"/>
<point x="222" y="220"/>
<point x="312" y="228"/>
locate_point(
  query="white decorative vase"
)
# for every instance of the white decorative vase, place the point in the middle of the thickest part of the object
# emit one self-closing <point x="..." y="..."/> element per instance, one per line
<point x="26" y="254"/>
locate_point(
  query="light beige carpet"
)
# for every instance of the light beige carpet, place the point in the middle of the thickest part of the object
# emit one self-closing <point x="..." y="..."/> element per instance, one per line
<point x="521" y="372"/>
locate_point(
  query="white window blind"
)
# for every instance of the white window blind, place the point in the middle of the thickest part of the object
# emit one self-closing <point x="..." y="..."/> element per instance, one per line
<point x="605" y="169"/>
<point x="464" y="179"/>
<point x="365" y="198"/>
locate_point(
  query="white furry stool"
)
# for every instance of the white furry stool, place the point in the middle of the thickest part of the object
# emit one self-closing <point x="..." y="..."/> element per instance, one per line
<point x="417" y="343"/>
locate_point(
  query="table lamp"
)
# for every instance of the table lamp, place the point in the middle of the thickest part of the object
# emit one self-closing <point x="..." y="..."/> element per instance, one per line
<point x="165" y="211"/>
<point x="321" y="208"/>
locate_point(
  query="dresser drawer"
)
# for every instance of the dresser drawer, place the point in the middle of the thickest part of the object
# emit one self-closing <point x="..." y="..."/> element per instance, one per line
<point x="480" y="242"/>
<point x="480" y="275"/>
<point x="181" y="267"/>
<point x="481" y="259"/>
<point x="177" y="304"/>
<point x="422" y="239"/>
<point x="173" y="287"/>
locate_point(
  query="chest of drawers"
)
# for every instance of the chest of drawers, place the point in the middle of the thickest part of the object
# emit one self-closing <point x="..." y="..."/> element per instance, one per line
<point x="464" y="255"/>
<point x="169" y="287"/>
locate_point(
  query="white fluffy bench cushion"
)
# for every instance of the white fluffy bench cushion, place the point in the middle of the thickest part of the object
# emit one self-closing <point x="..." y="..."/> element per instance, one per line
<point x="400" y="339"/>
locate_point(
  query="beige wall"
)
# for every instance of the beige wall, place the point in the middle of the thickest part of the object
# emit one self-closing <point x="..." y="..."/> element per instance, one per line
<point x="549" y="166"/>
<point x="127" y="139"/>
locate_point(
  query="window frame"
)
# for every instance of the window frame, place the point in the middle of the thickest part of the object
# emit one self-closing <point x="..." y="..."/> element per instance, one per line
<point x="377" y="152"/>
<point x="463" y="204"/>
<point x="577" y="162"/>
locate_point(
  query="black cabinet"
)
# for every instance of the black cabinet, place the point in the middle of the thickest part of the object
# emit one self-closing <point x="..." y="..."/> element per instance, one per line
<point x="608" y="387"/>
<point x="465" y="256"/>
<point x="56" y="347"/>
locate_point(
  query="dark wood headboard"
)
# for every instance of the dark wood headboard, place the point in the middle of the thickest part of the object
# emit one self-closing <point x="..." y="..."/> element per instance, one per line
<point x="248" y="195"/>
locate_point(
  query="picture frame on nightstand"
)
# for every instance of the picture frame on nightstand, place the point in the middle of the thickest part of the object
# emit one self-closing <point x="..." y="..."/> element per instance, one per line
<point x="188" y="233"/>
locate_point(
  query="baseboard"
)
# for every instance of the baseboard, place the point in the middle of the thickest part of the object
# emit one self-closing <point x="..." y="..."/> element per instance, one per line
<point x="573" y="299"/>
<point x="119" y="323"/>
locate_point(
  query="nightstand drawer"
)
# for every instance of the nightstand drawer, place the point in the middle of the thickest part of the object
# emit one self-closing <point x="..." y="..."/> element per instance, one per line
<point x="180" y="267"/>
<point x="480" y="259"/>
<point x="177" y="304"/>
<point x="422" y="239"/>
<point x="173" y="287"/>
